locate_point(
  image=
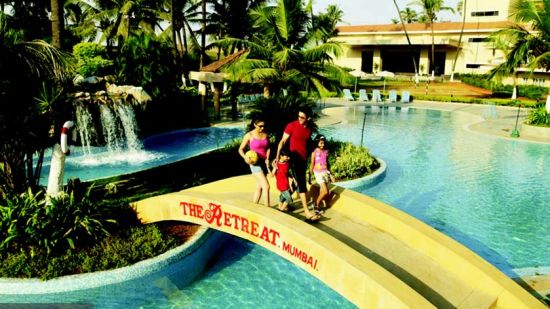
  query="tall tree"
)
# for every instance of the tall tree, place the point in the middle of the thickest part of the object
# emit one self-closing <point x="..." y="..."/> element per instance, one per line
<point x="323" y="26"/>
<point x="408" y="41"/>
<point x="527" y="39"/>
<point x="430" y="9"/>
<point x="58" y="24"/>
<point x="461" y="5"/>
<point x="408" y="15"/>
<point x="283" y="54"/>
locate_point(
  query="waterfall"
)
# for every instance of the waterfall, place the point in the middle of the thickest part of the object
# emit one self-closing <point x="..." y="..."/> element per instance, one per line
<point x="85" y="129"/>
<point x="128" y="119"/>
<point x="116" y="123"/>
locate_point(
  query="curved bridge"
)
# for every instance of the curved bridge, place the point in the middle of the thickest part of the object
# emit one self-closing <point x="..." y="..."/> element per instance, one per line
<point x="371" y="253"/>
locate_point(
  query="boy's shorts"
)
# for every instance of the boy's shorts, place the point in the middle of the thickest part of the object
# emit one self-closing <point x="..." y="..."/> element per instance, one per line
<point x="285" y="196"/>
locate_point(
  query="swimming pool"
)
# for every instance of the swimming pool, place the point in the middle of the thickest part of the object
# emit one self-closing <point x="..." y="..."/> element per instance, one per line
<point x="156" y="150"/>
<point x="242" y="275"/>
<point x="488" y="193"/>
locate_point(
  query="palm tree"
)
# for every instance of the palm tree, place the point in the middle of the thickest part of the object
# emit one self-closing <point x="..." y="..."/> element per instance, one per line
<point x="461" y="4"/>
<point x="284" y="54"/>
<point x="179" y="14"/>
<point x="324" y="25"/>
<point x="24" y="123"/>
<point x="408" y="15"/>
<point x="222" y="21"/>
<point x="430" y="9"/>
<point x="527" y="40"/>
<point x="57" y="22"/>
<point x="408" y="40"/>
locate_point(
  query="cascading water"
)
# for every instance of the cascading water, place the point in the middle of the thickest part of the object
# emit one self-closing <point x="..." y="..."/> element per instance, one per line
<point x="128" y="120"/>
<point x="85" y="129"/>
<point x="118" y="142"/>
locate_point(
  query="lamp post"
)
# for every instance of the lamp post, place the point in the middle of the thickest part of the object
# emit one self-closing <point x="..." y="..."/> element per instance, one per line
<point x="515" y="132"/>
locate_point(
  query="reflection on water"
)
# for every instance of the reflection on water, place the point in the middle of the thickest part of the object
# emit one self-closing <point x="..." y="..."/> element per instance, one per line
<point x="89" y="163"/>
<point x="490" y="194"/>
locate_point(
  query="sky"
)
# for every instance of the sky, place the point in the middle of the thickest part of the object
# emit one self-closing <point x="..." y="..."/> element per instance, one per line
<point x="364" y="12"/>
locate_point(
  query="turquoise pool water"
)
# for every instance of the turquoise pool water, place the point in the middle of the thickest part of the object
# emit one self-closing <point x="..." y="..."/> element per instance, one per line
<point x="100" y="162"/>
<point x="490" y="194"/>
<point x="242" y="275"/>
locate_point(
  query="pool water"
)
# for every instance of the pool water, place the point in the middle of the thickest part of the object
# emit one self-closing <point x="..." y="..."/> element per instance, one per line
<point x="157" y="150"/>
<point x="242" y="275"/>
<point x="490" y="194"/>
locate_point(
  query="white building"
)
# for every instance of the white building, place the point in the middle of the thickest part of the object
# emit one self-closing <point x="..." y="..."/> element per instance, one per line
<point x="374" y="48"/>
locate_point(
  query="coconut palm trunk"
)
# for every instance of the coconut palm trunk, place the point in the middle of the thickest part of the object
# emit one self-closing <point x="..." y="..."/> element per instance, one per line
<point x="432" y="60"/>
<point x="203" y="33"/>
<point x="408" y="38"/>
<point x="458" y="47"/>
<point x="57" y="22"/>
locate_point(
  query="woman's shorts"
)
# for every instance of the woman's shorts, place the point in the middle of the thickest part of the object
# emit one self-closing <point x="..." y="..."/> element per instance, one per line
<point x="256" y="169"/>
<point x="322" y="177"/>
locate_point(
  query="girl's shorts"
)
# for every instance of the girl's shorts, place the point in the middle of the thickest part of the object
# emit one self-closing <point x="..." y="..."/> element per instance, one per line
<point x="322" y="177"/>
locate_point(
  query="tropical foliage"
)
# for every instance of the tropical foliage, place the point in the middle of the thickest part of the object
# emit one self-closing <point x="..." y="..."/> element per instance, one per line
<point x="527" y="41"/>
<point x="284" y="53"/>
<point x="430" y="9"/>
<point x="31" y="104"/>
<point x="349" y="161"/>
<point x="127" y="247"/>
<point x="539" y="117"/>
<point x="92" y="60"/>
<point x="32" y="223"/>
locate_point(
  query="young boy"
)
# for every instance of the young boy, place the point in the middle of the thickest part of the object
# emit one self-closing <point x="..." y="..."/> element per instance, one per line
<point x="280" y="170"/>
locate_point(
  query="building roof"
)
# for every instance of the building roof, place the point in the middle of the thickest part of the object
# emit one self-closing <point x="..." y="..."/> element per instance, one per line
<point x="443" y="26"/>
<point x="217" y="65"/>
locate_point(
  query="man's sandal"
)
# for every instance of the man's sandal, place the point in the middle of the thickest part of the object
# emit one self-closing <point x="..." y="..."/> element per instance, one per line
<point x="313" y="218"/>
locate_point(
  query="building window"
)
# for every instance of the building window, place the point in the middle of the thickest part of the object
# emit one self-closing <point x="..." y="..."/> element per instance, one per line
<point x="484" y="13"/>
<point x="478" y="40"/>
<point x="472" y="66"/>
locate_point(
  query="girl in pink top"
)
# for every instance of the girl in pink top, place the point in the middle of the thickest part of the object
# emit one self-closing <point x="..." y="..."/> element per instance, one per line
<point x="258" y="140"/>
<point x="319" y="167"/>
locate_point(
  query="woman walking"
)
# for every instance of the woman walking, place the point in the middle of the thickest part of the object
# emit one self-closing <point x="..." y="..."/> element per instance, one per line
<point x="258" y="141"/>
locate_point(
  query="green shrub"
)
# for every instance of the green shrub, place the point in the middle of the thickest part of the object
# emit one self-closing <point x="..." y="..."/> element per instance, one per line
<point x="91" y="60"/>
<point x="539" y="117"/>
<point x="348" y="161"/>
<point x="30" y="223"/>
<point x="128" y="247"/>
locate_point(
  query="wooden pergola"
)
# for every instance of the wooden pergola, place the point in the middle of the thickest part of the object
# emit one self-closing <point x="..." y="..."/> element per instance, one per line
<point x="211" y="74"/>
